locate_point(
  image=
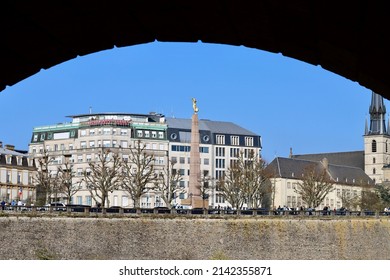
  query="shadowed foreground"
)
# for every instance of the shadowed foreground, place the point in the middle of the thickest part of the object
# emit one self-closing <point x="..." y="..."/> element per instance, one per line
<point x="152" y="238"/>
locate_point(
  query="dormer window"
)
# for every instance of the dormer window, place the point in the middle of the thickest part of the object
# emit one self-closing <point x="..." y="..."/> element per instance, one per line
<point x="220" y="139"/>
<point x="8" y="159"/>
<point x="249" y="141"/>
<point x="235" y="140"/>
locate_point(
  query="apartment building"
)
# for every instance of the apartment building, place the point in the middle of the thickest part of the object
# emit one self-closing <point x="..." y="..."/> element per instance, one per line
<point x="79" y="142"/>
<point x="16" y="175"/>
<point x="220" y="144"/>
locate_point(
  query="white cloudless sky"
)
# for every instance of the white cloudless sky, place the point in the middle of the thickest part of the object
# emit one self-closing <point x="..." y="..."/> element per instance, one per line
<point x="288" y="102"/>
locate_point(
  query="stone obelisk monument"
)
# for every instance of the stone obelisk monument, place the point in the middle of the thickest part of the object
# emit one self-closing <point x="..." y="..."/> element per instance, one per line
<point x="194" y="192"/>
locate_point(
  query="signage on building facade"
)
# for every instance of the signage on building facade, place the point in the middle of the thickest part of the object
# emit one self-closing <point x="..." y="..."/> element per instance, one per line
<point x="108" y="122"/>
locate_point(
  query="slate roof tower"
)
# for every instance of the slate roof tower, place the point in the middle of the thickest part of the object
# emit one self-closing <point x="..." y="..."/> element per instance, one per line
<point x="377" y="112"/>
<point x="376" y="140"/>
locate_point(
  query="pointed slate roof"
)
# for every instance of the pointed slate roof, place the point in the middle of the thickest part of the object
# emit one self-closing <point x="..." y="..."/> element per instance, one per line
<point x="377" y="112"/>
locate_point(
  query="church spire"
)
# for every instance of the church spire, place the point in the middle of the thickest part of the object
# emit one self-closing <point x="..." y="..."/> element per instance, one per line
<point x="377" y="112"/>
<point x="366" y="128"/>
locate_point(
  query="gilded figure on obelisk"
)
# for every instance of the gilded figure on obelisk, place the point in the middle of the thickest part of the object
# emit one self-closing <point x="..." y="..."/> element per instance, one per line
<point x="196" y="109"/>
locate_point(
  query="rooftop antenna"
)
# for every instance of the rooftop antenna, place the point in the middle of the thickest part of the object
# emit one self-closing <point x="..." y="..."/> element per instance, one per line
<point x="173" y="115"/>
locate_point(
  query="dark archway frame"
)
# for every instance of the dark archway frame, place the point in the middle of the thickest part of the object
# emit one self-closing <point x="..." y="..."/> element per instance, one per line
<point x="348" y="38"/>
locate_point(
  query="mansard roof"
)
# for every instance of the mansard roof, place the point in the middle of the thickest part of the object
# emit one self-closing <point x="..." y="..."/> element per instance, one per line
<point x="293" y="168"/>
<point x="208" y="125"/>
<point x="4" y="152"/>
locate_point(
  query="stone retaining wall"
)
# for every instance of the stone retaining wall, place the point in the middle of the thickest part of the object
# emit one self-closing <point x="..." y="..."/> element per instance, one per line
<point x="179" y="238"/>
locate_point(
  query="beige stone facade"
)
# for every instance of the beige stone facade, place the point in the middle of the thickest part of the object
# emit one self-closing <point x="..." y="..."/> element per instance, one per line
<point x="284" y="195"/>
<point x="16" y="176"/>
<point x="377" y="157"/>
<point x="287" y="173"/>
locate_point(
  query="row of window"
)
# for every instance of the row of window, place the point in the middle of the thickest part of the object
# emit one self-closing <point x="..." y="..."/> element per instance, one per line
<point x="54" y="136"/>
<point x="182" y="160"/>
<point x="8" y="159"/>
<point x="219" y="151"/>
<point x="104" y="131"/>
<point x="234" y="140"/>
<point x="150" y="134"/>
<point x="98" y="143"/>
<point x="19" y="178"/>
<point x="296" y="201"/>
<point x="184" y="148"/>
<point x="103" y="143"/>
<point x="98" y="131"/>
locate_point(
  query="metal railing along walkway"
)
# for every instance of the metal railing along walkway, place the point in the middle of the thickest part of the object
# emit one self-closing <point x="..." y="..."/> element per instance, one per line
<point x="88" y="210"/>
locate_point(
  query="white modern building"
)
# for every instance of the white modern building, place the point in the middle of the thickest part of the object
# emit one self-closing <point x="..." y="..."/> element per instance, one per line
<point x="79" y="141"/>
<point x="220" y="144"/>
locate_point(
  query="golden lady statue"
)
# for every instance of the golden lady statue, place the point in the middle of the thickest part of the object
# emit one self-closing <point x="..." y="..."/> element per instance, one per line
<point x="196" y="109"/>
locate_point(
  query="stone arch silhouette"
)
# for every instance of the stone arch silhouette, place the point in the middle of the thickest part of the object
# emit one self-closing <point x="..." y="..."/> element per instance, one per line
<point x="344" y="37"/>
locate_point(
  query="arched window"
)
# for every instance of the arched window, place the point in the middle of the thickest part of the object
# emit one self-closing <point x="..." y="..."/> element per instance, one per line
<point x="373" y="160"/>
<point x="373" y="146"/>
<point x="373" y="171"/>
<point x="386" y="146"/>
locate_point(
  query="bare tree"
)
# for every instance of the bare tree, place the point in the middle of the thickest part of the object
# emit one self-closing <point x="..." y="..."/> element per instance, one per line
<point x="103" y="176"/>
<point x="384" y="193"/>
<point x="370" y="199"/>
<point x="167" y="183"/>
<point x="349" y="200"/>
<point x="255" y="179"/>
<point x="44" y="179"/>
<point x="68" y="188"/>
<point x="138" y="173"/>
<point x="245" y="181"/>
<point x="230" y="186"/>
<point x="315" y="185"/>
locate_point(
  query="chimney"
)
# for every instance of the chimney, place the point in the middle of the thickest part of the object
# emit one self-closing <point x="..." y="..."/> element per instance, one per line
<point x="10" y="147"/>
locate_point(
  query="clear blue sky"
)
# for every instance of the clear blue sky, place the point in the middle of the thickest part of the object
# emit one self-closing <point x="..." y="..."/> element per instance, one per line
<point x="288" y="102"/>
